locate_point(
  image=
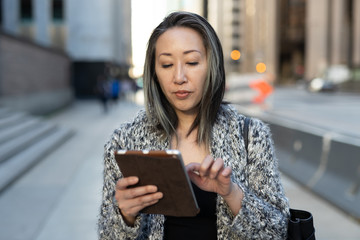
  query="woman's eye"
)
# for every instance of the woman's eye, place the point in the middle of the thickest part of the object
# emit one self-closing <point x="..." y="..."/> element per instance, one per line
<point x="166" y="65"/>
<point x="193" y="63"/>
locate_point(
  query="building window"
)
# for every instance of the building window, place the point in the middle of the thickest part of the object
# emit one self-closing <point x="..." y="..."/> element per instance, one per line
<point x="236" y="36"/>
<point x="58" y="10"/>
<point x="26" y="10"/>
<point x="235" y="23"/>
<point x="236" y="10"/>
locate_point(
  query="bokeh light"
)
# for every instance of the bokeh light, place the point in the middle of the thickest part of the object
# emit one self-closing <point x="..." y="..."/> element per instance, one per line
<point x="261" y="67"/>
<point x="235" y="54"/>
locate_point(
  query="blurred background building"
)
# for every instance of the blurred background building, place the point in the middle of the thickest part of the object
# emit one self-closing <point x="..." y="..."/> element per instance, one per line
<point x="53" y="50"/>
<point x="296" y="39"/>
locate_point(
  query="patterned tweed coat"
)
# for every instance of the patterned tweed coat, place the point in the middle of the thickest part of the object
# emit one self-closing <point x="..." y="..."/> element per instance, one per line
<point x="264" y="213"/>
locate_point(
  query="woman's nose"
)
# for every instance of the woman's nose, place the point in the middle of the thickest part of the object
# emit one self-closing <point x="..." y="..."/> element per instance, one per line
<point x="179" y="75"/>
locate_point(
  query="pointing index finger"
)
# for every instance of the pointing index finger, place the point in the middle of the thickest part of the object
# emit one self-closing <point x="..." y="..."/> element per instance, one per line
<point x="206" y="165"/>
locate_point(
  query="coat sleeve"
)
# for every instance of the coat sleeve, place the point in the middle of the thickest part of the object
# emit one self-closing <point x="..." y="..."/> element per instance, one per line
<point x="265" y="209"/>
<point x="111" y="224"/>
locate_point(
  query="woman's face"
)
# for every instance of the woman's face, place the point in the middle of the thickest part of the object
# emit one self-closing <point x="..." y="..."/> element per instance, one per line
<point x="181" y="68"/>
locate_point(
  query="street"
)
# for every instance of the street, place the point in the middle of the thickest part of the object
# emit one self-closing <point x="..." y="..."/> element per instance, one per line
<point x="59" y="198"/>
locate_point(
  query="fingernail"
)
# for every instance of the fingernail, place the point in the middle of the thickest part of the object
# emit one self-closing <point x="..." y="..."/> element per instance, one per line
<point x="134" y="179"/>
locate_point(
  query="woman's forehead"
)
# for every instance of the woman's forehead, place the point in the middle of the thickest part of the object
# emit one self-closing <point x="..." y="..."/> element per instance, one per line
<point x="180" y="38"/>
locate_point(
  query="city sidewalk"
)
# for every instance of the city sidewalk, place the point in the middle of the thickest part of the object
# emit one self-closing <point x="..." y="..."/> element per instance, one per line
<point x="60" y="197"/>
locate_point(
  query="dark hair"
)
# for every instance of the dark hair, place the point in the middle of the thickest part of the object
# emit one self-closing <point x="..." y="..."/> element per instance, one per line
<point x="156" y="103"/>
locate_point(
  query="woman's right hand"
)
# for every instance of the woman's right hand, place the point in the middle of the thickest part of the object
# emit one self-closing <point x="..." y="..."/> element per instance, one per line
<point x="132" y="200"/>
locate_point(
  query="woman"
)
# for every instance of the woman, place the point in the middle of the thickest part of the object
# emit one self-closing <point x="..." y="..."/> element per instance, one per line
<point x="240" y="194"/>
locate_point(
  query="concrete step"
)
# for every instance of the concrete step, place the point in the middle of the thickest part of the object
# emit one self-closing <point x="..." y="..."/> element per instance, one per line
<point x="10" y="118"/>
<point x="3" y="111"/>
<point x="24" y="141"/>
<point x="19" y="163"/>
<point x="17" y="129"/>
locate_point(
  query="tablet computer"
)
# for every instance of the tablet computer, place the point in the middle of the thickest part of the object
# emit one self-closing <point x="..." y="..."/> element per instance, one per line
<point x="164" y="169"/>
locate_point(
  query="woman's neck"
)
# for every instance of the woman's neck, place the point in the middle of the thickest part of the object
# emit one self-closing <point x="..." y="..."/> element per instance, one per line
<point x="182" y="131"/>
<point x="185" y="121"/>
<point x="189" y="147"/>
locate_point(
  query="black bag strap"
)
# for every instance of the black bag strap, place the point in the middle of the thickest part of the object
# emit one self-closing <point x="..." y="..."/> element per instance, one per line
<point x="245" y="132"/>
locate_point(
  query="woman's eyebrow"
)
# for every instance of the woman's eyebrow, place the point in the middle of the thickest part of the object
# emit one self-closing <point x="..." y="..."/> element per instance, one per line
<point x="190" y="51"/>
<point x="165" y="54"/>
<point x="185" y="52"/>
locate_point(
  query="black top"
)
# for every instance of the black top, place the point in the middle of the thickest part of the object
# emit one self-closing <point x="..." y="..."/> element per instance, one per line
<point x="202" y="226"/>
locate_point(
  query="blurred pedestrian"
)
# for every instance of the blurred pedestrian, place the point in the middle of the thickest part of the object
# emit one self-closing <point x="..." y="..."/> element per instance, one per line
<point x="115" y="89"/>
<point x="102" y="90"/>
<point x="240" y="195"/>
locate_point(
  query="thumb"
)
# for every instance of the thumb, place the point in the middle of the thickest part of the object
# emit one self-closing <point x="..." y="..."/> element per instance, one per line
<point x="195" y="178"/>
<point x="192" y="167"/>
<point x="193" y="172"/>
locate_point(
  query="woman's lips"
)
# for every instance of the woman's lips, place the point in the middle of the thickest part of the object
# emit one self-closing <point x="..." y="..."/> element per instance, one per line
<point x="182" y="94"/>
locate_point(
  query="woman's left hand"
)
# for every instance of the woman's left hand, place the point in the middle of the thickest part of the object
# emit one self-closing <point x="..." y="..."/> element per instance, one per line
<point x="211" y="175"/>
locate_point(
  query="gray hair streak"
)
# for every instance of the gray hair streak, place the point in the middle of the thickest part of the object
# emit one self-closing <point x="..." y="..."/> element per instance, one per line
<point x="157" y="107"/>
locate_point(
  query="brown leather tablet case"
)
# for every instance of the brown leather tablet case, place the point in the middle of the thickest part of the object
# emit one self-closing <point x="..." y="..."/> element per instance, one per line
<point x="166" y="170"/>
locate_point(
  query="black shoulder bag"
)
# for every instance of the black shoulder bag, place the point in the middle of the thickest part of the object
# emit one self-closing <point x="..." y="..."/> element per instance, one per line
<point x="300" y="226"/>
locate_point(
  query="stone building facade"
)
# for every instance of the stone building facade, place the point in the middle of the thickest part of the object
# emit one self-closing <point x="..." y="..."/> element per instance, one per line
<point x="296" y="39"/>
<point x="53" y="50"/>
